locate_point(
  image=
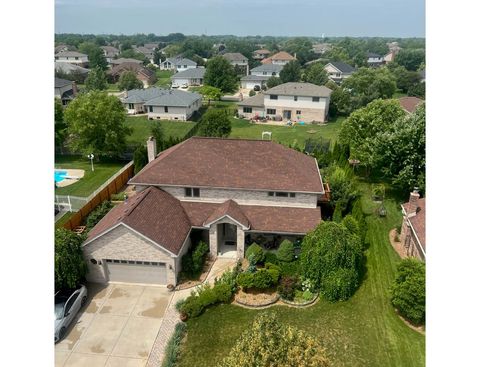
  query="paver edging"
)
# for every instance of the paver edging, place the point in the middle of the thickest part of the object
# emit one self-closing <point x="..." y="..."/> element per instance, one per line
<point x="300" y="305"/>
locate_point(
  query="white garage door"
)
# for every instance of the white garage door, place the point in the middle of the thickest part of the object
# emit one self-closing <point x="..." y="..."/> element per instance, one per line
<point x="130" y="271"/>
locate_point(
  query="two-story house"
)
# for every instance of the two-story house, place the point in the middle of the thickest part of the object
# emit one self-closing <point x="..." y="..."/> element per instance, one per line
<point x="162" y="104"/>
<point x="259" y="75"/>
<point x="238" y="61"/>
<point x="72" y="57"/>
<point x="187" y="78"/>
<point x="260" y="54"/>
<point x="227" y="192"/>
<point x="145" y="75"/>
<point x="147" y="52"/>
<point x="297" y="102"/>
<point x="65" y="90"/>
<point x="280" y="58"/>
<point x="110" y="53"/>
<point x="177" y="64"/>
<point x="374" y="60"/>
<point x="338" y="71"/>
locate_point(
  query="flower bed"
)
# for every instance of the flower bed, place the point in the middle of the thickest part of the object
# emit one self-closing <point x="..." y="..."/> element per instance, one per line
<point x="300" y="302"/>
<point x="189" y="283"/>
<point x="257" y="298"/>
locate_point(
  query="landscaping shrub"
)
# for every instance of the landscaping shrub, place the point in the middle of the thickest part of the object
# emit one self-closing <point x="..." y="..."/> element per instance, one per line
<point x="98" y="213"/>
<point x="351" y="224"/>
<point x="408" y="290"/>
<point x="173" y="345"/>
<point x="262" y="279"/>
<point x="274" y="271"/>
<point x="187" y="264"/>
<point x="198" y="256"/>
<point x="255" y="254"/>
<point x="70" y="265"/>
<point x="245" y="280"/>
<point x="223" y="292"/>
<point x="289" y="269"/>
<point x="288" y="286"/>
<point x="251" y="93"/>
<point x="340" y="284"/>
<point x="271" y="258"/>
<point x="307" y="296"/>
<point x="118" y="197"/>
<point x="286" y="252"/>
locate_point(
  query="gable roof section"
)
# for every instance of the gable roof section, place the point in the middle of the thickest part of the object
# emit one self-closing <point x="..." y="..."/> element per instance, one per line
<point x="123" y="60"/>
<point x="418" y="221"/>
<point x="130" y="66"/>
<point x="174" y="98"/>
<point x="410" y="104"/>
<point x="234" y="56"/>
<point x="196" y="73"/>
<point x="341" y="66"/>
<point x="180" y="61"/>
<point x="255" y="101"/>
<point x="300" y="89"/>
<point x="268" y="68"/>
<point x="231" y="209"/>
<point x="70" y="54"/>
<point x="60" y="83"/>
<point x="254" y="78"/>
<point x="154" y="214"/>
<point x="67" y="67"/>
<point x="233" y="164"/>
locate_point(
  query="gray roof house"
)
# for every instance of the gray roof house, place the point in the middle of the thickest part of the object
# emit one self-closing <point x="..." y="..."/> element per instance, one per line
<point x="255" y="82"/>
<point x="267" y="69"/>
<point x="294" y="102"/>
<point x="189" y="77"/>
<point x="177" y="64"/>
<point x="72" y="57"/>
<point x="162" y="104"/>
<point x="338" y="71"/>
<point x="238" y="61"/>
<point x="124" y="60"/>
<point x="68" y="68"/>
<point x="65" y="90"/>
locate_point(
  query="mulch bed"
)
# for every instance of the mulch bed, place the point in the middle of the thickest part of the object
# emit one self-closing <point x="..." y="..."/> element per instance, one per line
<point x="256" y="298"/>
<point x="397" y="245"/>
<point x="420" y="329"/>
<point x="189" y="283"/>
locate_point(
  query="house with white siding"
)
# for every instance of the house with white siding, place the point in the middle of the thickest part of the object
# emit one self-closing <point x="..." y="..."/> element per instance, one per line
<point x="188" y="78"/>
<point x="238" y="61"/>
<point x="72" y="57"/>
<point x="110" y="53"/>
<point x="374" y="60"/>
<point x="228" y="193"/>
<point x="296" y="102"/>
<point x="162" y="104"/>
<point x="338" y="71"/>
<point x="259" y="76"/>
<point x="177" y="64"/>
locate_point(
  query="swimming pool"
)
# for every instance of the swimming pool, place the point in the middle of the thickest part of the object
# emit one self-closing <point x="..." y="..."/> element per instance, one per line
<point x="60" y="176"/>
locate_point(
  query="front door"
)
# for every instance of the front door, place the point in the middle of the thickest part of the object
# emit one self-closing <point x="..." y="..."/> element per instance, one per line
<point x="287" y="114"/>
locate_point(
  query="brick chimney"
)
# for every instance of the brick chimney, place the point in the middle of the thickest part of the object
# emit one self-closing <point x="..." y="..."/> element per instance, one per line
<point x="74" y="88"/>
<point x="413" y="203"/>
<point x="151" y="148"/>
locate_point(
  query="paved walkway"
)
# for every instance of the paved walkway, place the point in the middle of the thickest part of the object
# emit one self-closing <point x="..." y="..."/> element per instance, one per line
<point x="172" y="317"/>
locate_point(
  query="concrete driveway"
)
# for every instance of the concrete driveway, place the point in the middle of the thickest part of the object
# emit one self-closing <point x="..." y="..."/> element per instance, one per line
<point x="117" y="327"/>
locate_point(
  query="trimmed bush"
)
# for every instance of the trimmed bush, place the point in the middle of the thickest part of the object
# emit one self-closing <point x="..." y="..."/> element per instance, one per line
<point x="245" y="280"/>
<point x="173" y="345"/>
<point x="408" y="290"/>
<point x="351" y="224"/>
<point x="198" y="256"/>
<point x="270" y="257"/>
<point x="262" y="279"/>
<point x="286" y="252"/>
<point x="288" y="286"/>
<point x="255" y="254"/>
<point x="289" y="269"/>
<point x="251" y="93"/>
<point x="339" y="285"/>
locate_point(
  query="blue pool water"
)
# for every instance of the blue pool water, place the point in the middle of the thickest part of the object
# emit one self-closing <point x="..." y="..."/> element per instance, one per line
<point x="60" y="176"/>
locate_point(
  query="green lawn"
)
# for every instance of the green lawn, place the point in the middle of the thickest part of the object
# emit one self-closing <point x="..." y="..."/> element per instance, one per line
<point x="64" y="219"/>
<point x="92" y="180"/>
<point x="363" y="331"/>
<point x="163" y="78"/>
<point x="141" y="128"/>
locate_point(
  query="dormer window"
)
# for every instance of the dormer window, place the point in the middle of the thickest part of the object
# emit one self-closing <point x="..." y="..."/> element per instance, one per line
<point x="192" y="192"/>
<point x="273" y="96"/>
<point x="315" y="99"/>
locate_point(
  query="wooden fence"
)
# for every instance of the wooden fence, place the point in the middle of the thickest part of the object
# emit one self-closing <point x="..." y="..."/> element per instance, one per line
<point x="104" y="192"/>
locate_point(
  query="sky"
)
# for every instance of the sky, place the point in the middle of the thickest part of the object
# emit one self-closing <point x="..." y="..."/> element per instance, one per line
<point x="356" y="18"/>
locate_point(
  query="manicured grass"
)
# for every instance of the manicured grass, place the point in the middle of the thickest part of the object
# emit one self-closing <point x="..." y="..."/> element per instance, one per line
<point x="64" y="219"/>
<point x="363" y="331"/>
<point x="141" y="128"/>
<point x="163" y="78"/>
<point x="284" y="134"/>
<point x="91" y="180"/>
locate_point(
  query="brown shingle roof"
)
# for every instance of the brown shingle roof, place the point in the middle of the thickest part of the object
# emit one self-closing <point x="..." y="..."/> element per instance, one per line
<point x="130" y="66"/>
<point x="260" y="218"/>
<point x="409" y="104"/>
<point x="233" y="163"/>
<point x="155" y="214"/>
<point x="282" y="55"/>
<point x="230" y="208"/>
<point x="418" y="221"/>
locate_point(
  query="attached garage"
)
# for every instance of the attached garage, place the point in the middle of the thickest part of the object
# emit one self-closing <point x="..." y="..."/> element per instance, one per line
<point x="132" y="271"/>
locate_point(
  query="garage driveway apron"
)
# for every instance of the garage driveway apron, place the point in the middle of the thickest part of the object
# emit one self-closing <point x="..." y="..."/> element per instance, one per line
<point x="117" y="328"/>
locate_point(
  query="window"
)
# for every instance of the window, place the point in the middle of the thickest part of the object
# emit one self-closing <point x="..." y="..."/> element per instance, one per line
<point x="192" y="192"/>
<point x="247" y="109"/>
<point x="299" y="112"/>
<point x="338" y="75"/>
<point x="292" y="194"/>
<point x="274" y="73"/>
<point x="264" y="73"/>
<point x="165" y="109"/>
<point x="130" y="106"/>
<point x="70" y="303"/>
<point x="273" y="96"/>
<point x="271" y="111"/>
<point x="185" y="66"/>
<point x="150" y="108"/>
<point x="315" y="99"/>
<point x="271" y="193"/>
<point x="76" y="58"/>
<point x="281" y="194"/>
<point x="295" y="98"/>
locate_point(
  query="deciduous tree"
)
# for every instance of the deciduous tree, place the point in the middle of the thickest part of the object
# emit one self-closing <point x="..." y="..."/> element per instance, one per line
<point x="96" y="80"/>
<point x="220" y="74"/>
<point x="70" y="266"/>
<point x="316" y="74"/>
<point x="215" y="123"/>
<point x="128" y="81"/>
<point x="210" y="93"/>
<point x="291" y="72"/>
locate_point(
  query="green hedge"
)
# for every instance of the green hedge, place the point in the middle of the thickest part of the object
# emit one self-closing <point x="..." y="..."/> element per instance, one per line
<point x="173" y="346"/>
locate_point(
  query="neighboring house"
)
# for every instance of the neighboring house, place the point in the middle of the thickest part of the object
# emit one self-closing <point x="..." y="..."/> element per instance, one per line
<point x="280" y="58"/>
<point x="374" y="59"/>
<point x="338" y="71"/>
<point x="123" y="60"/>
<point x="393" y="46"/>
<point x="261" y="54"/>
<point x="228" y="193"/>
<point x="390" y="57"/>
<point x="145" y="75"/>
<point x="68" y="68"/>
<point x="162" y="104"/>
<point x="412" y="235"/>
<point x="72" y="57"/>
<point x="238" y="61"/>
<point x="252" y="81"/>
<point x="410" y="104"/>
<point x="177" y="64"/>
<point x="110" y="53"/>
<point x="267" y="70"/>
<point x="147" y="52"/>
<point x="321" y="48"/>
<point x="189" y="77"/>
<point x="65" y="90"/>
<point x="63" y="47"/>
<point x="151" y="46"/>
<point x="300" y="102"/>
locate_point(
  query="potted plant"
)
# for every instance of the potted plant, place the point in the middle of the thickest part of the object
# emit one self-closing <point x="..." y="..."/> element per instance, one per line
<point x="170" y="287"/>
